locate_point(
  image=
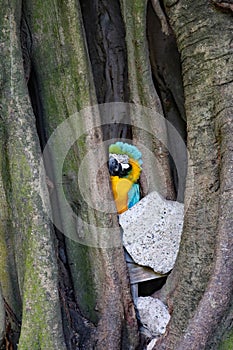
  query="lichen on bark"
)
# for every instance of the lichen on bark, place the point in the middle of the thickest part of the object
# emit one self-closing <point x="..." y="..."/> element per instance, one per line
<point x="30" y="234"/>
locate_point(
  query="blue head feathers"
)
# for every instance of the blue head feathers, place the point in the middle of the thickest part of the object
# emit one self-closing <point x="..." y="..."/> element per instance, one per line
<point x="125" y="148"/>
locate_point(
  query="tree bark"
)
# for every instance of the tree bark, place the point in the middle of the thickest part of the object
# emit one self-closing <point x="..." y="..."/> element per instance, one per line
<point x="167" y="78"/>
<point x="197" y="299"/>
<point x="103" y="298"/>
<point x="75" y="295"/>
<point x="29" y="271"/>
<point x="105" y="34"/>
<point x="69" y="291"/>
<point x="143" y="93"/>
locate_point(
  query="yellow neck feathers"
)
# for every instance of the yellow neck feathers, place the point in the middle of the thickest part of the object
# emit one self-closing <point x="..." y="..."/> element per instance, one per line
<point x="121" y="186"/>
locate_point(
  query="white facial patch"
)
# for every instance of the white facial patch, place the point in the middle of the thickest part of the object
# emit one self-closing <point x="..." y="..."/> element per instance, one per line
<point x="124" y="166"/>
<point x="121" y="158"/>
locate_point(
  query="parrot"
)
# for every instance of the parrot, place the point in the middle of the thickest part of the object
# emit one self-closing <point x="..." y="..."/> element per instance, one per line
<point x="124" y="166"/>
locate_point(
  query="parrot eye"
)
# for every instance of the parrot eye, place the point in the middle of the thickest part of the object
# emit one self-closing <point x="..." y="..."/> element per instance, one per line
<point x="124" y="170"/>
<point x="125" y="166"/>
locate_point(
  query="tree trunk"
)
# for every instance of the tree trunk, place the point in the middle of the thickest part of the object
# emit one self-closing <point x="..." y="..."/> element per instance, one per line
<point x="29" y="274"/>
<point x="200" y="286"/>
<point x="73" y="294"/>
<point x="143" y="93"/>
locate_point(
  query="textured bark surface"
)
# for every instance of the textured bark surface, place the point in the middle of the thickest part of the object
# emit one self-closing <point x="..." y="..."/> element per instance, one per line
<point x="107" y="49"/>
<point x="66" y="85"/>
<point x="143" y="93"/>
<point x="29" y="275"/>
<point x="74" y="295"/>
<point x="167" y="78"/>
<point x="58" y="57"/>
<point x="201" y="282"/>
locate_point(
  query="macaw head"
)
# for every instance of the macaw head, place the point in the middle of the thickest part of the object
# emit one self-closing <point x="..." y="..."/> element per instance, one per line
<point x="124" y="167"/>
<point x="124" y="161"/>
<point x="117" y="168"/>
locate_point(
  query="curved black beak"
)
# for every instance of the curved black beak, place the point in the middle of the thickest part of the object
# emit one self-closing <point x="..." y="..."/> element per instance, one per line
<point x="113" y="166"/>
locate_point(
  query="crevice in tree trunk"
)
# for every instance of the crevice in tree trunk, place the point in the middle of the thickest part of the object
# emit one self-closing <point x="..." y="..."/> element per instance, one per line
<point x="78" y="331"/>
<point x="37" y="106"/>
<point x="106" y="44"/>
<point x="105" y="35"/>
<point x="167" y="78"/>
<point x="31" y="78"/>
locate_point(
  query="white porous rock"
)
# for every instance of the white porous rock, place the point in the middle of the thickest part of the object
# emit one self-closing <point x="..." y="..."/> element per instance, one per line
<point x="152" y="230"/>
<point x="153" y="315"/>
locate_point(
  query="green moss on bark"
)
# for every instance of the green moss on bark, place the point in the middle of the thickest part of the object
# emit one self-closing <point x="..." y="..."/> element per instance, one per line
<point x="40" y="298"/>
<point x="26" y="235"/>
<point x="64" y="78"/>
<point x="227" y="342"/>
<point x="64" y="85"/>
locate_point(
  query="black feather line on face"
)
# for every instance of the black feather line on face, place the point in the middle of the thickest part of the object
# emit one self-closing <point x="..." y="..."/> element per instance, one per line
<point x="115" y="168"/>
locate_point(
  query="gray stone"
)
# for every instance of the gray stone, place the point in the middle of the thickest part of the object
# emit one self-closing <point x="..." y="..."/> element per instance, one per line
<point x="153" y="315"/>
<point x="152" y="230"/>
